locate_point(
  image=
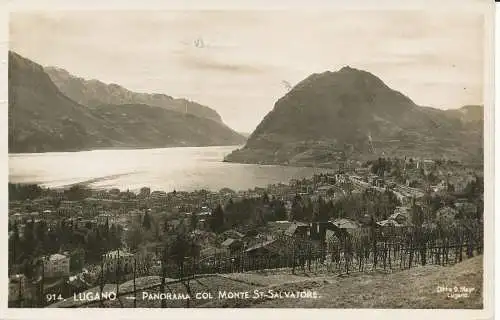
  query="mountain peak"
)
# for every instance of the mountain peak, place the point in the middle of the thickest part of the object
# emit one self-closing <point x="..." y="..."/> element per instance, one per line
<point x="328" y="111"/>
<point x="348" y="68"/>
<point x="346" y="73"/>
<point x="344" y="81"/>
<point x="355" y="72"/>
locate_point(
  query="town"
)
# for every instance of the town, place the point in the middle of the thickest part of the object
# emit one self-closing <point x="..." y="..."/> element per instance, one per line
<point x="65" y="241"/>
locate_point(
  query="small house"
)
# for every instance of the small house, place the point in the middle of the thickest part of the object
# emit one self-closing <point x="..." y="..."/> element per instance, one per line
<point x="298" y="229"/>
<point x="399" y="217"/>
<point x="56" y="265"/>
<point x="232" y="245"/>
<point x="267" y="248"/>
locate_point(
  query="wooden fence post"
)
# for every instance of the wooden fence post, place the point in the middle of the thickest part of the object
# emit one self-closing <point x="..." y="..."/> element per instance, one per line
<point x="411" y="250"/>
<point x="163" y="276"/>
<point x="374" y="246"/>
<point x="135" y="289"/>
<point x="101" y="284"/>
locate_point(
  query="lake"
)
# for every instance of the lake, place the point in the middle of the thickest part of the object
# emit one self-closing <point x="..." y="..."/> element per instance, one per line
<point x="182" y="169"/>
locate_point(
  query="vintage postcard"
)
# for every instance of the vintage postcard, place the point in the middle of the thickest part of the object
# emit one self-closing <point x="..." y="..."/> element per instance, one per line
<point x="330" y="156"/>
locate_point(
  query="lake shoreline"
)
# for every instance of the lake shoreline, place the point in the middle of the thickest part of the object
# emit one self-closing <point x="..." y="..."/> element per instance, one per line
<point x="119" y="149"/>
<point x="189" y="168"/>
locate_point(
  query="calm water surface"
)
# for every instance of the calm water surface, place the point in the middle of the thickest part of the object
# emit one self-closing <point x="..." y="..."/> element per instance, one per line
<point x="166" y="169"/>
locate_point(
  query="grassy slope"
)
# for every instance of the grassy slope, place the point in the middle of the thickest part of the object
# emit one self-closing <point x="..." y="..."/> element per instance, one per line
<point x="413" y="289"/>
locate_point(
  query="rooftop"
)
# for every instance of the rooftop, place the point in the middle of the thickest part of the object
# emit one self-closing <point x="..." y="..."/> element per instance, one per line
<point x="16" y="277"/>
<point x="343" y="223"/>
<point x="389" y="223"/>
<point x="260" y="245"/>
<point x="118" y="253"/>
<point x="294" y="226"/>
<point x="229" y="242"/>
<point x="395" y="215"/>
<point x="56" y="257"/>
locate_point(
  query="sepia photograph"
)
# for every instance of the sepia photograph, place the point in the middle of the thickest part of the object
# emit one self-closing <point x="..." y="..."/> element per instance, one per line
<point x="238" y="158"/>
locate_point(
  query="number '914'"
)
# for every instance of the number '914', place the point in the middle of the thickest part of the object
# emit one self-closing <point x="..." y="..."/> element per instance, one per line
<point x="53" y="297"/>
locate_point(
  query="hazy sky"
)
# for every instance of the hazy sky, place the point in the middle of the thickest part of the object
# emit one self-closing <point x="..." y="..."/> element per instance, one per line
<point x="434" y="58"/>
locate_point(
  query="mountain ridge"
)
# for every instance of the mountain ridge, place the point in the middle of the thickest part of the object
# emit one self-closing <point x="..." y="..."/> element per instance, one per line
<point x="93" y="92"/>
<point x="331" y="116"/>
<point x="43" y="119"/>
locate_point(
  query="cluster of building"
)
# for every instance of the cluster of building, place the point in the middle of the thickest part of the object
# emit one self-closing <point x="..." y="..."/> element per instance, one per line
<point x="55" y="275"/>
<point x="117" y="207"/>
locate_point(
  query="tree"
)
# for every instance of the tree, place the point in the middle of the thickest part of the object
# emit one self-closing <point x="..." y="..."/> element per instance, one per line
<point x="24" y="191"/>
<point x="29" y="241"/>
<point x="450" y="187"/>
<point x="193" y="221"/>
<point x="15" y="246"/>
<point x="217" y="219"/>
<point x="432" y="178"/>
<point x="417" y="215"/>
<point x="279" y="211"/>
<point x="323" y="212"/>
<point x="77" y="193"/>
<point x="475" y="188"/>
<point x="157" y="232"/>
<point x="134" y="237"/>
<point x="479" y="210"/>
<point x="308" y="211"/>
<point x="265" y="198"/>
<point x="297" y="213"/>
<point x="115" y="236"/>
<point x="77" y="259"/>
<point x="146" y="222"/>
<point x="178" y="245"/>
<point x="259" y="219"/>
<point x="229" y="205"/>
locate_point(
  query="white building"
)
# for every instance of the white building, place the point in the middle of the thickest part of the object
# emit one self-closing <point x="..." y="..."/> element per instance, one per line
<point x="115" y="258"/>
<point x="103" y="217"/>
<point x="56" y="265"/>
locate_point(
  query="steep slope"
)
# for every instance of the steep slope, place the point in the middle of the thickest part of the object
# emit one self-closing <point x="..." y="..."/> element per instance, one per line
<point x="93" y="93"/>
<point x="143" y="126"/>
<point x="334" y="115"/>
<point x="42" y="119"/>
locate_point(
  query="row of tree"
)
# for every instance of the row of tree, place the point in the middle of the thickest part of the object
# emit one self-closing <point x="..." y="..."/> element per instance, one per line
<point x="250" y="212"/>
<point x="37" y="239"/>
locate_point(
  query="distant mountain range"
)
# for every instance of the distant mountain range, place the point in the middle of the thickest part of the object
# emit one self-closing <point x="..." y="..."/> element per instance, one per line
<point x="94" y="93"/>
<point x="352" y="114"/>
<point x="43" y="119"/>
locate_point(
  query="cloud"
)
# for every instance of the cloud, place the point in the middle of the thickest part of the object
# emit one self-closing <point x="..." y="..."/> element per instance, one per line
<point x="211" y="64"/>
